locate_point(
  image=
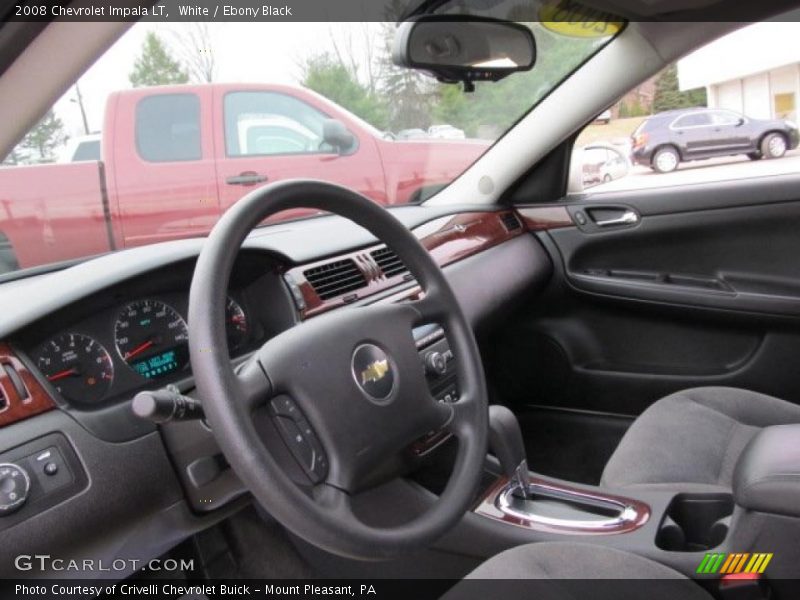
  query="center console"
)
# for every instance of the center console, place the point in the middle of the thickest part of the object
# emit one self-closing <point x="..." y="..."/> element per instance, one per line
<point x="679" y="526"/>
<point x="558" y="508"/>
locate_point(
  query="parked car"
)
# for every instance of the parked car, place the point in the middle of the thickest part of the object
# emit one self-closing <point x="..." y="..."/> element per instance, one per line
<point x="171" y="138"/>
<point x="446" y="132"/>
<point x="604" y="117"/>
<point x="81" y="148"/>
<point x="602" y="163"/>
<point x="412" y="134"/>
<point x="666" y="139"/>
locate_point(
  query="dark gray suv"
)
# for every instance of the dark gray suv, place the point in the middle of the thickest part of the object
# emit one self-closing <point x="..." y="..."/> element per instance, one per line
<point x="668" y="138"/>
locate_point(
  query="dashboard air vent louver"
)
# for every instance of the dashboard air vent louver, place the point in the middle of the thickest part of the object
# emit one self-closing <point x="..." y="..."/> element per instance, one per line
<point x="335" y="278"/>
<point x="510" y="221"/>
<point x="388" y="261"/>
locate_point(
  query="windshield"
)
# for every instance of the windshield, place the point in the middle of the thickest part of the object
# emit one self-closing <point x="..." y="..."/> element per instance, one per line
<point x="178" y="121"/>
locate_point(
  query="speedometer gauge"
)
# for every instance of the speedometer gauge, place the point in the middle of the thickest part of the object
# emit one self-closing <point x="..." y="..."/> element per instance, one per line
<point x="77" y="366"/>
<point x="152" y="338"/>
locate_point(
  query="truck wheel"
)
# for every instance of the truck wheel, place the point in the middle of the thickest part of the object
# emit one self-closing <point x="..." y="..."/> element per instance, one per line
<point x="8" y="261"/>
<point x="755" y="156"/>
<point x="665" y="160"/>
<point x="773" y="145"/>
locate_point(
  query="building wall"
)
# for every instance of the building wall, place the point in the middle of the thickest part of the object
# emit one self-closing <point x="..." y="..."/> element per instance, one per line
<point x="769" y="95"/>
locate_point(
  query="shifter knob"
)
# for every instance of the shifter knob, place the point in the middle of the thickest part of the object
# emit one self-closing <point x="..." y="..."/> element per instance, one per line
<point x="505" y="440"/>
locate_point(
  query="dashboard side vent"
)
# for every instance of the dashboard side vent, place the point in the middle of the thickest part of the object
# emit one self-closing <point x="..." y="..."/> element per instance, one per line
<point x="335" y="278"/>
<point x="388" y="261"/>
<point x="510" y="221"/>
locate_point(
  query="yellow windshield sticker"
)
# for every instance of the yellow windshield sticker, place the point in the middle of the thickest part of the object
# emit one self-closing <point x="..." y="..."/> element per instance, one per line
<point x="572" y="19"/>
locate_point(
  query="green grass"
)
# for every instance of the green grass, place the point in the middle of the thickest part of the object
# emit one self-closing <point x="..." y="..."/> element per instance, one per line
<point x="616" y="129"/>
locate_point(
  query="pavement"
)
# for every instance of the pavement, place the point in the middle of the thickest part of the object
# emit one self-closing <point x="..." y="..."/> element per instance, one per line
<point x="713" y="169"/>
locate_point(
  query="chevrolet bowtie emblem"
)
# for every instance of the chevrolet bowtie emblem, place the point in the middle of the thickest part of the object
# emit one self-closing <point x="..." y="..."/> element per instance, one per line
<point x="375" y="371"/>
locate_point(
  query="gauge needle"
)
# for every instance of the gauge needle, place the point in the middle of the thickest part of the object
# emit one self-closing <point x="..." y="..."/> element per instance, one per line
<point x="139" y="349"/>
<point x="62" y="374"/>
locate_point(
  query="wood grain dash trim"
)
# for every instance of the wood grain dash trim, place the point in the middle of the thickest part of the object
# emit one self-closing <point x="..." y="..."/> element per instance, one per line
<point x="542" y="218"/>
<point x="37" y="399"/>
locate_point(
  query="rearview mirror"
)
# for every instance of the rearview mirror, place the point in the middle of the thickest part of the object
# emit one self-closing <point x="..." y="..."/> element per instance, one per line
<point x="335" y="134"/>
<point x="456" y="48"/>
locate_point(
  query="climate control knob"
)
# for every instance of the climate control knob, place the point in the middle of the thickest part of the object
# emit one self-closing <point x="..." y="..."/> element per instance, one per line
<point x="14" y="487"/>
<point x="435" y="363"/>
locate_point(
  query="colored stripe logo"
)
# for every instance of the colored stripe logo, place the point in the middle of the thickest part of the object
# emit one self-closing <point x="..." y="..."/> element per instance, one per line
<point x="735" y="562"/>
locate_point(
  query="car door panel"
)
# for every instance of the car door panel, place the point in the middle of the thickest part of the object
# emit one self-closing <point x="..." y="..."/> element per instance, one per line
<point x="704" y="289"/>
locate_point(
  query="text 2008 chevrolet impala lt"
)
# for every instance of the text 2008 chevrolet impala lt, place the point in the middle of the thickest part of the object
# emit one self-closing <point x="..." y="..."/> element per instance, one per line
<point x="506" y="384"/>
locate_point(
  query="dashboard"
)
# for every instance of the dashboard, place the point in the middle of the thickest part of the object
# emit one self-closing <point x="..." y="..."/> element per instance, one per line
<point x="135" y="335"/>
<point x="77" y="345"/>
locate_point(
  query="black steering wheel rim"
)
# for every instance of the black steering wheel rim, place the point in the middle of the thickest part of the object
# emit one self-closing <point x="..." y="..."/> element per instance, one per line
<point x="321" y="513"/>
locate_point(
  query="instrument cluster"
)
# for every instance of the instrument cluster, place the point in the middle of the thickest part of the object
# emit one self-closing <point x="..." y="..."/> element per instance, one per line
<point x="128" y="346"/>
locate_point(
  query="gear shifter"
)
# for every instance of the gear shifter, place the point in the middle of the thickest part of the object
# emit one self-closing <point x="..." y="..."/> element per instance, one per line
<point x="505" y="440"/>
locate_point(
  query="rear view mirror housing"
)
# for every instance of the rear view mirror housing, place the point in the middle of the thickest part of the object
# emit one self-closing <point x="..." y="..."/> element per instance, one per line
<point x="464" y="49"/>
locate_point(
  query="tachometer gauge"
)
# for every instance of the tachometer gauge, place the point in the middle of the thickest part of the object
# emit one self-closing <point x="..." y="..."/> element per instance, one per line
<point x="235" y="324"/>
<point x="78" y="366"/>
<point x="152" y="338"/>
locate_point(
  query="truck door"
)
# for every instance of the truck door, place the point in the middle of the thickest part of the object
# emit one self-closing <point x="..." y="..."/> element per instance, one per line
<point x="267" y="136"/>
<point x="161" y="173"/>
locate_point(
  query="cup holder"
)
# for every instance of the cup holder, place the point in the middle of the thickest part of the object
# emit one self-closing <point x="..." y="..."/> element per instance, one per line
<point x="695" y="522"/>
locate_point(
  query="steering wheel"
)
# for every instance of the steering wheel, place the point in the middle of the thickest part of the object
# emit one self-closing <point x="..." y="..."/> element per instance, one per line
<point x="352" y="378"/>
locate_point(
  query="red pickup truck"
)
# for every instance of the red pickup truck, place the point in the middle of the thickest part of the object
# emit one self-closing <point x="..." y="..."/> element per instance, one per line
<point x="174" y="158"/>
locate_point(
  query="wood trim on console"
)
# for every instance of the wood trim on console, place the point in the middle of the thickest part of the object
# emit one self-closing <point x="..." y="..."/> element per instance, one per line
<point x="448" y="239"/>
<point x="487" y="507"/>
<point x="34" y="399"/>
<point x="542" y="218"/>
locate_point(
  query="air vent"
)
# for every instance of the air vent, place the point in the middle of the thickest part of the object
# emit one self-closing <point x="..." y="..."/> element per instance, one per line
<point x="335" y="278"/>
<point x="388" y="261"/>
<point x="3" y="400"/>
<point x="510" y="221"/>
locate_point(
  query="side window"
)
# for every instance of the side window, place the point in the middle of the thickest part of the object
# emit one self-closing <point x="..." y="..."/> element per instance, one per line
<point x="712" y="116"/>
<point x="268" y="123"/>
<point x="692" y="120"/>
<point x="725" y="118"/>
<point x="168" y="128"/>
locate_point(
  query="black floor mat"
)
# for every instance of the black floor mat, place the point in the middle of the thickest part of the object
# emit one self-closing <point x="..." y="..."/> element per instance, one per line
<point x="569" y="445"/>
<point x="247" y="546"/>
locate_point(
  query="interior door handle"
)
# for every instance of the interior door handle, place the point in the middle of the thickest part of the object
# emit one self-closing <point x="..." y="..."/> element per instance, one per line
<point x="246" y="178"/>
<point x="627" y="218"/>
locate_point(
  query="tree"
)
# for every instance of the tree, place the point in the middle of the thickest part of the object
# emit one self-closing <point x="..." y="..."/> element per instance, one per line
<point x="328" y="76"/>
<point x="669" y="96"/>
<point x="40" y="143"/>
<point x="155" y="66"/>
<point x="196" y="48"/>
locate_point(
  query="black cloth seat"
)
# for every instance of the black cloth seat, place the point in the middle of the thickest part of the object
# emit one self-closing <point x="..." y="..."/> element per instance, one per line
<point x="694" y="438"/>
<point x="571" y="571"/>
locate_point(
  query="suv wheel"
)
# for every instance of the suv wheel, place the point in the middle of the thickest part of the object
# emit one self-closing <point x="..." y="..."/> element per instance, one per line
<point x="773" y="145"/>
<point x="666" y="160"/>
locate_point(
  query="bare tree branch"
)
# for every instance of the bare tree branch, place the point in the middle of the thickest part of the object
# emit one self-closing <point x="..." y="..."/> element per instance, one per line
<point x="195" y="47"/>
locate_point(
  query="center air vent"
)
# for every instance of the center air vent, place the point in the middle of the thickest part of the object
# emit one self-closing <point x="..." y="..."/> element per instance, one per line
<point x="388" y="261"/>
<point x="510" y="221"/>
<point x="335" y="278"/>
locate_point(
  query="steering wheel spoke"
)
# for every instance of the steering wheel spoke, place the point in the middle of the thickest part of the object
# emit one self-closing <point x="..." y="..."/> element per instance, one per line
<point x="255" y="388"/>
<point x="429" y="308"/>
